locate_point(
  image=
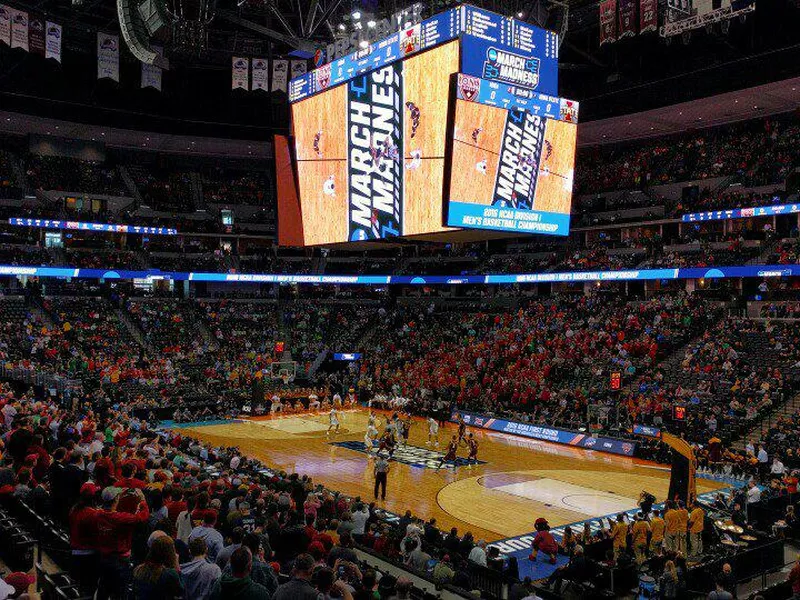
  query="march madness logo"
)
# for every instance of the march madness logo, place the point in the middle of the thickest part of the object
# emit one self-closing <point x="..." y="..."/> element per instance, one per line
<point x="375" y="166"/>
<point x="519" y="160"/>
<point x="413" y="456"/>
<point x="323" y="76"/>
<point x="468" y="87"/>
<point x="508" y="67"/>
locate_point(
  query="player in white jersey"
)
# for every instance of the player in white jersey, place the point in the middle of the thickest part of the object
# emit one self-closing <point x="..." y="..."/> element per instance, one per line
<point x="370" y="437"/>
<point x="276" y="404"/>
<point x="433" y="432"/>
<point x="337" y="400"/>
<point x="333" y="417"/>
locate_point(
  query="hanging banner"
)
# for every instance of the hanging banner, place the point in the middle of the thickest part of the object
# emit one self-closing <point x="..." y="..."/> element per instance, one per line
<point x="280" y="75"/>
<point x="627" y="19"/>
<point x="107" y="56"/>
<point x="608" y="21"/>
<point x="36" y="36"/>
<point x="53" y="41"/>
<point x="260" y="74"/>
<point x="5" y="24"/>
<point x="19" y="29"/>
<point x="151" y="74"/>
<point x="299" y="67"/>
<point x="240" y="73"/>
<point x="648" y="15"/>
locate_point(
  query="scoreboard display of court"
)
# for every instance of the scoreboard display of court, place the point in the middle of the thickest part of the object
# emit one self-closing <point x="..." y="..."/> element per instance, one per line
<point x="451" y="124"/>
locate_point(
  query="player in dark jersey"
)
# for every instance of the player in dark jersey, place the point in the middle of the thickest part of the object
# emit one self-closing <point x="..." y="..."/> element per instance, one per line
<point x="462" y="429"/>
<point x="317" y="137"/>
<point x="387" y="443"/>
<point x="475" y="133"/>
<point x="415" y="114"/>
<point x="406" y="424"/>
<point x="548" y="147"/>
<point x="472" y="444"/>
<point x="450" y="455"/>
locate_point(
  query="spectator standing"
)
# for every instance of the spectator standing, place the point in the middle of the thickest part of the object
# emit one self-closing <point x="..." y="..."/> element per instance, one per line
<point x="199" y="575"/>
<point x="238" y="585"/>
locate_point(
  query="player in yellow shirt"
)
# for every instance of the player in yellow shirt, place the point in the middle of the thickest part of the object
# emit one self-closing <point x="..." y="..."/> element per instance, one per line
<point x="639" y="532"/>
<point x="657" y="527"/>
<point x="672" y="527"/>
<point x="619" y="535"/>
<point x="683" y="527"/>
<point x="696" y="524"/>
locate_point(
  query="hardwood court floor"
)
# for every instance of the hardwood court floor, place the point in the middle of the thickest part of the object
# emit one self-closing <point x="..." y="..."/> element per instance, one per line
<point x="520" y="481"/>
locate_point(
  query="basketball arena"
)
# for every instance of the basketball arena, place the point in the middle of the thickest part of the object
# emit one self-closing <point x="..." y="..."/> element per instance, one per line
<point x="389" y="300"/>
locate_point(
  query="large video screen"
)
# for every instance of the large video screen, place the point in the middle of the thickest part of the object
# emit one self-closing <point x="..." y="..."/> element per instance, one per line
<point x="511" y="170"/>
<point x="370" y="153"/>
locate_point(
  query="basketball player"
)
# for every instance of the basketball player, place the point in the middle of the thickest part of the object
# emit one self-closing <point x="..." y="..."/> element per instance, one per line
<point x="333" y="417"/>
<point x="317" y="137"/>
<point x="462" y="429"/>
<point x="475" y="133"/>
<point x="337" y="400"/>
<point x="433" y="432"/>
<point x="329" y="187"/>
<point x="406" y="429"/>
<point x="416" y="160"/>
<point x="450" y="455"/>
<point x="415" y="114"/>
<point x="276" y="404"/>
<point x="370" y="437"/>
<point x="372" y="420"/>
<point x="472" y="444"/>
<point x="387" y="442"/>
<point x="313" y="401"/>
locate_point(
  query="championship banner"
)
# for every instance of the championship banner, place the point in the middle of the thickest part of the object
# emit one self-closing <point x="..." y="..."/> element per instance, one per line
<point x="36" y="36"/>
<point x="374" y="162"/>
<point x="107" y="56"/>
<point x="5" y="24"/>
<point x="53" y="41"/>
<point x="240" y="73"/>
<point x="608" y="21"/>
<point x="280" y="75"/>
<point x="298" y="68"/>
<point x="627" y="19"/>
<point x="19" y="29"/>
<point x="260" y="74"/>
<point x="520" y="151"/>
<point x="648" y="15"/>
<point x="151" y="74"/>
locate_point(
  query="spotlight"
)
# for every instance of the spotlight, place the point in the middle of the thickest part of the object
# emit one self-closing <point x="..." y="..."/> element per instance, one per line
<point x="371" y="24"/>
<point x="356" y="15"/>
<point x="342" y="27"/>
<point x="520" y="15"/>
<point x="363" y="44"/>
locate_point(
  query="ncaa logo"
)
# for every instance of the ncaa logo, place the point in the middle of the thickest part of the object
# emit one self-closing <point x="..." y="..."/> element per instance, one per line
<point x="468" y="87"/>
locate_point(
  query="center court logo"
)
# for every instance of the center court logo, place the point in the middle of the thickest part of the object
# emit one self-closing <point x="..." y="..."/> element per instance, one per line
<point x="501" y="65"/>
<point x="412" y="455"/>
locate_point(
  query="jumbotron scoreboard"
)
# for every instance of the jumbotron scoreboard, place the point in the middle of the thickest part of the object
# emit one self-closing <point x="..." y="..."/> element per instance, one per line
<point x="451" y="124"/>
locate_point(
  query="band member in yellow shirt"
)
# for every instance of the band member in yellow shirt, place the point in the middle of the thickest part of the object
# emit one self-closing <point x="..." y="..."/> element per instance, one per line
<point x="696" y="524"/>
<point x="672" y="526"/>
<point x="619" y="535"/>
<point x="657" y="526"/>
<point x="639" y="532"/>
<point x="683" y="527"/>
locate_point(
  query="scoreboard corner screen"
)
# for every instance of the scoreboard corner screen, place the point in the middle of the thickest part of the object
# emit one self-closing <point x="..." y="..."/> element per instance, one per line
<point x="452" y="124"/>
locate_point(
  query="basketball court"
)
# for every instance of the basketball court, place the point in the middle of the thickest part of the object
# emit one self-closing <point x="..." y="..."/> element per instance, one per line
<point x="517" y="480"/>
